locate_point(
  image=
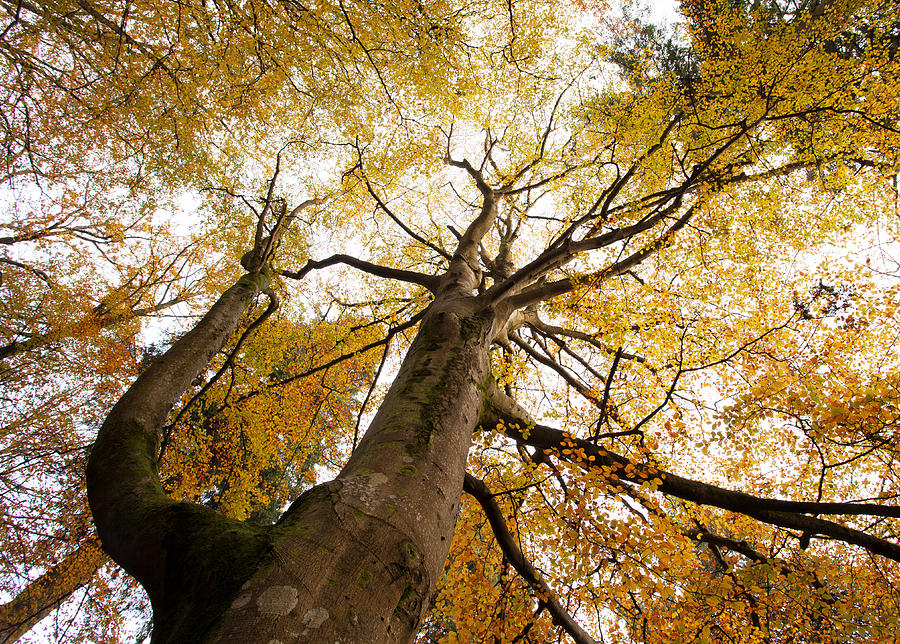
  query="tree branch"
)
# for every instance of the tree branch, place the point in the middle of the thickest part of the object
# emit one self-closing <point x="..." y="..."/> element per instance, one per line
<point x="409" y="231"/>
<point x="786" y="514"/>
<point x="428" y="281"/>
<point x="480" y="492"/>
<point x="532" y="319"/>
<point x="549" y="290"/>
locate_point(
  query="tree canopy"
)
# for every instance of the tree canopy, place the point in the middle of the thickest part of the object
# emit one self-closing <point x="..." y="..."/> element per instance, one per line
<point x="451" y="321"/>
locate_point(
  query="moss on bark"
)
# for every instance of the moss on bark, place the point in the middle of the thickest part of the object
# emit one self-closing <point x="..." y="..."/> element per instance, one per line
<point x="207" y="559"/>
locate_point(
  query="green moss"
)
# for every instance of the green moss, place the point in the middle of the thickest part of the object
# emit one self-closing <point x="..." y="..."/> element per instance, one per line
<point x="485" y="411"/>
<point x="199" y="584"/>
<point x="470" y="328"/>
<point x="466" y="328"/>
<point x="136" y="443"/>
<point x="363" y="579"/>
<point x="390" y="508"/>
<point x="333" y="582"/>
<point x="408" y="470"/>
<point x="257" y="281"/>
<point x="405" y="597"/>
<point x="322" y="550"/>
<point x="412" y="554"/>
<point x="432" y="332"/>
<point x="423" y="440"/>
<point x="397" y="446"/>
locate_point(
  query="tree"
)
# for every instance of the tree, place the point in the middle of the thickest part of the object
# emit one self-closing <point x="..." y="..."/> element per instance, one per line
<point x="252" y="476"/>
<point x="45" y="594"/>
<point x="110" y="112"/>
<point x="624" y="253"/>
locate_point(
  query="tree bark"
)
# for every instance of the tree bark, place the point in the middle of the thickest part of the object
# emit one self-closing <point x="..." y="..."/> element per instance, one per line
<point x="353" y="560"/>
<point x="46" y="593"/>
<point x="356" y="559"/>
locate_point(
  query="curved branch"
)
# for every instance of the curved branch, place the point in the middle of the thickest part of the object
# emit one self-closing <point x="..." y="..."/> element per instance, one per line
<point x="786" y="514"/>
<point x="428" y="281"/>
<point x="409" y="231"/>
<point x="480" y="492"/>
<point x="126" y="497"/>
<point x="483" y="187"/>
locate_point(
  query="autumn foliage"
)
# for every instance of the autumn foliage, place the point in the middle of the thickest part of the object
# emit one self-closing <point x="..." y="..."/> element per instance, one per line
<point x="669" y="254"/>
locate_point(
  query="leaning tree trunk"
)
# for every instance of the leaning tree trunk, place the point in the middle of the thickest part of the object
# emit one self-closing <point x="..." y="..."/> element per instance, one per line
<point x="181" y="553"/>
<point x="356" y="559"/>
<point x="353" y="560"/>
<point x="49" y="591"/>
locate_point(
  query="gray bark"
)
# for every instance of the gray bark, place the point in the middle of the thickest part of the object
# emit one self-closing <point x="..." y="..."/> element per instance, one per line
<point x="355" y="559"/>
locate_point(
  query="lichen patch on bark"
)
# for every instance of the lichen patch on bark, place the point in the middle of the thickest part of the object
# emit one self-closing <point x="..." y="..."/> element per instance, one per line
<point x="315" y="617"/>
<point x="241" y="601"/>
<point x="277" y="600"/>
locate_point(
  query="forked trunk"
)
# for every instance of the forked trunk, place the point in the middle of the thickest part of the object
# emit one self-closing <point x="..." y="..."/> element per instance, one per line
<point x="353" y="560"/>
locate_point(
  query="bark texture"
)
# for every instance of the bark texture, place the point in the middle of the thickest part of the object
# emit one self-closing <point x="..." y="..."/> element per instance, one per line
<point x="356" y="559"/>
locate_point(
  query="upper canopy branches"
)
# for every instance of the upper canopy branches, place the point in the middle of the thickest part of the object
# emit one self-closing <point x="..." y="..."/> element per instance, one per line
<point x="650" y="239"/>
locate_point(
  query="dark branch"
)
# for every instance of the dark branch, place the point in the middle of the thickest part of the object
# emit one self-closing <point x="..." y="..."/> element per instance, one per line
<point x="782" y="513"/>
<point x="409" y="231"/>
<point x="480" y="492"/>
<point x="550" y="290"/>
<point x="428" y="281"/>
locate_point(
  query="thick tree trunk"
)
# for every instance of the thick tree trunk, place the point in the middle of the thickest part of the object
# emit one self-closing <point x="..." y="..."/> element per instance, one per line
<point x="47" y="592"/>
<point x="185" y="555"/>
<point x="353" y="560"/>
<point x="356" y="559"/>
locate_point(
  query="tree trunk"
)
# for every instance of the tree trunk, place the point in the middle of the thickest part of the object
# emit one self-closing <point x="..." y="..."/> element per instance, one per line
<point x="47" y="592"/>
<point x="356" y="559"/>
<point x="352" y="560"/>
<point x="184" y="555"/>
